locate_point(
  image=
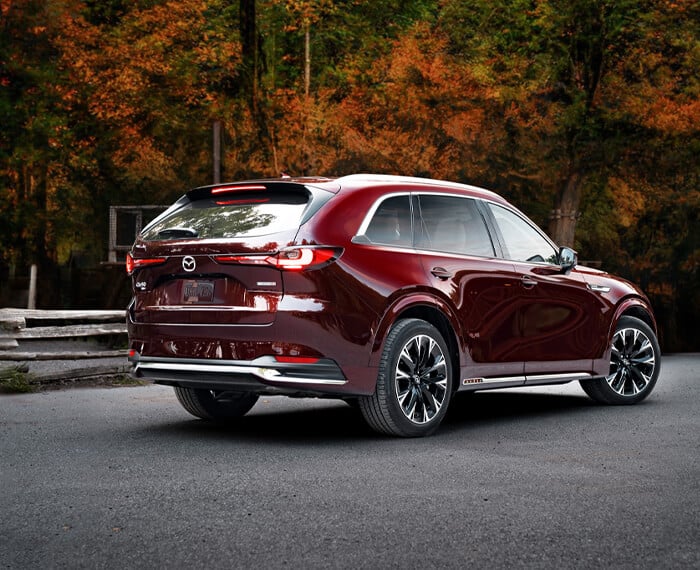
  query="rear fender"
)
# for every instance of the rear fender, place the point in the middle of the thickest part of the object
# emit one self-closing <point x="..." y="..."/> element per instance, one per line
<point x="407" y="304"/>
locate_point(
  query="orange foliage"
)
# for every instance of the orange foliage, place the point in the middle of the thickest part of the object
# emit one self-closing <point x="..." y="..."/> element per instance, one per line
<point x="423" y="119"/>
<point x="130" y="79"/>
<point x="628" y="197"/>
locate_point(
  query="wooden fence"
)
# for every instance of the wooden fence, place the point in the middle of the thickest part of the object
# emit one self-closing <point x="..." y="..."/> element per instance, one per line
<point x="27" y="324"/>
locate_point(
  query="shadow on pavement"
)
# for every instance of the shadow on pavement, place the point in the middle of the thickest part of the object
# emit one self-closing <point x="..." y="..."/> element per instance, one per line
<point x="333" y="421"/>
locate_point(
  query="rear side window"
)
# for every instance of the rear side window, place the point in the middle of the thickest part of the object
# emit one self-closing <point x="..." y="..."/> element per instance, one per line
<point x="236" y="216"/>
<point x="453" y="225"/>
<point x="391" y="223"/>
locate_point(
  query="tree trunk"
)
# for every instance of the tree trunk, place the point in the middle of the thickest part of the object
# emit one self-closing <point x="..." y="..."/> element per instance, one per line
<point x="251" y="71"/>
<point x="249" y="46"/>
<point x="216" y="151"/>
<point x="307" y="58"/>
<point x="562" y="227"/>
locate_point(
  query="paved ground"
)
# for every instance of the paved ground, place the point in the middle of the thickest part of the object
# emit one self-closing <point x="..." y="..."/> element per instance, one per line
<point x="120" y="478"/>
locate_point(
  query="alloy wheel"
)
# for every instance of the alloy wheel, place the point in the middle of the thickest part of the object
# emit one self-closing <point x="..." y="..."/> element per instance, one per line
<point x="421" y="379"/>
<point x="632" y="362"/>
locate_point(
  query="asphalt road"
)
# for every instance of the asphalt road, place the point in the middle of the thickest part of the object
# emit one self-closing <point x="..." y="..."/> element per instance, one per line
<point x="124" y="478"/>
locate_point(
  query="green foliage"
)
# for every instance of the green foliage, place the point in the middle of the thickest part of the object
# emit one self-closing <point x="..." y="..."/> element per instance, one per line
<point x="15" y="380"/>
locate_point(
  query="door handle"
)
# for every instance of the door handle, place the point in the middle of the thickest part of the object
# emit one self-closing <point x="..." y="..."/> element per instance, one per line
<point x="441" y="273"/>
<point x="528" y="282"/>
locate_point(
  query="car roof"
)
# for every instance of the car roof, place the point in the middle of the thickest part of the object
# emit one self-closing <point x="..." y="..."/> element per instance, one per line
<point x="358" y="182"/>
<point x="355" y="182"/>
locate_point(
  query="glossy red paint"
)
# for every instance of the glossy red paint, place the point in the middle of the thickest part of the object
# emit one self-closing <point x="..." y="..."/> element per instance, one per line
<point x="502" y="318"/>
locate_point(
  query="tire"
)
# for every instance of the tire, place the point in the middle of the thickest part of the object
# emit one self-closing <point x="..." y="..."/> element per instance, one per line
<point x="215" y="405"/>
<point x="414" y="384"/>
<point x="635" y="362"/>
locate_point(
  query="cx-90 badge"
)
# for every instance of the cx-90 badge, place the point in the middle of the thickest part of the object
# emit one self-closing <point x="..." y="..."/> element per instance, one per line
<point x="188" y="263"/>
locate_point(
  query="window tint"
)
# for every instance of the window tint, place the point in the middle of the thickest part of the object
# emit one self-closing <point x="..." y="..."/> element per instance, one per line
<point x="241" y="215"/>
<point x="454" y="225"/>
<point x="522" y="241"/>
<point x="391" y="223"/>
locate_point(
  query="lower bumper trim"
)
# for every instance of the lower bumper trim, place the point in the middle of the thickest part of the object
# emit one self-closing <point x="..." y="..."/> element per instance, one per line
<point x="247" y="375"/>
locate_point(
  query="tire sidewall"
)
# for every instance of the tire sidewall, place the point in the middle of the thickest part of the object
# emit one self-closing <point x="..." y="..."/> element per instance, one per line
<point x="399" y="336"/>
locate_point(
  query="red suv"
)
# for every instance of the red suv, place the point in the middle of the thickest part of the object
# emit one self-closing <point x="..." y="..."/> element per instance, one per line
<point x="390" y="292"/>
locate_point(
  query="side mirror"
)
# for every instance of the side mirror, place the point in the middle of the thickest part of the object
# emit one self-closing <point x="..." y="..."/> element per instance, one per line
<point x="567" y="259"/>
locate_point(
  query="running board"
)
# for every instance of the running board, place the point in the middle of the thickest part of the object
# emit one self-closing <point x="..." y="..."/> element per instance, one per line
<point x="525" y="380"/>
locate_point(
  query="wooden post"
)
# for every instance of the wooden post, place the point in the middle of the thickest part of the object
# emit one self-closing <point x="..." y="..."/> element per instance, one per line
<point x="31" y="301"/>
<point x="112" y="256"/>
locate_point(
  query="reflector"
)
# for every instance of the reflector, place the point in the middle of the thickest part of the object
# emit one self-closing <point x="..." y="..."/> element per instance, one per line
<point x="297" y="359"/>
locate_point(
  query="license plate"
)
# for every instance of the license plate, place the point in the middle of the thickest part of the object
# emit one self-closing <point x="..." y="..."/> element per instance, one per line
<point x="197" y="292"/>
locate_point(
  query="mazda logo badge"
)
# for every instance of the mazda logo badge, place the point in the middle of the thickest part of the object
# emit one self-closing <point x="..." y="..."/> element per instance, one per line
<point x="188" y="263"/>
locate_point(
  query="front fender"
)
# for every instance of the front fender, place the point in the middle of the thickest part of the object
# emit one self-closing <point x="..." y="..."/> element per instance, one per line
<point x="632" y="306"/>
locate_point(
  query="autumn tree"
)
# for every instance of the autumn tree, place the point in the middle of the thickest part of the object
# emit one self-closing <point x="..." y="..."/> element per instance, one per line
<point x="583" y="112"/>
<point x="552" y="63"/>
<point x="417" y="111"/>
<point x="34" y="135"/>
<point x="301" y="103"/>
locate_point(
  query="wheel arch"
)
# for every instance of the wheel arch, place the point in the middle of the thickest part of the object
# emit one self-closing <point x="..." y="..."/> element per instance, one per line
<point x="634" y="307"/>
<point x="431" y="312"/>
<point x="631" y="307"/>
<point x="640" y="313"/>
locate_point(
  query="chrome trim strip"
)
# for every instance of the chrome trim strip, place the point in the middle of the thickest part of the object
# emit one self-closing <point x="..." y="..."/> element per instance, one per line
<point x="184" y="367"/>
<point x="161" y="324"/>
<point x="521" y="381"/>
<point x="598" y="288"/>
<point x="370" y="213"/>
<point x="195" y="307"/>
<point x="504" y="379"/>
<point x="270" y="374"/>
<point x="275" y="376"/>
<point x="568" y="377"/>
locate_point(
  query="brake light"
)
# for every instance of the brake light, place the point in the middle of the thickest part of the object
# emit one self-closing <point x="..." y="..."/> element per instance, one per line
<point x="134" y="264"/>
<point x="291" y="259"/>
<point x="227" y="189"/>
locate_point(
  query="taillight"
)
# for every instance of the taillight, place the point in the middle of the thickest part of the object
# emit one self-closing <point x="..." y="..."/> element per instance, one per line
<point x="291" y="259"/>
<point x="134" y="264"/>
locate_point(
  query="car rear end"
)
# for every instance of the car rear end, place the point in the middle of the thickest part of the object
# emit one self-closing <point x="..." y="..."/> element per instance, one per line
<point x="226" y="299"/>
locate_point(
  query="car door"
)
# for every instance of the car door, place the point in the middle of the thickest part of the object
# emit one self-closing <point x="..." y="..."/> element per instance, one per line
<point x="460" y="261"/>
<point x="557" y="315"/>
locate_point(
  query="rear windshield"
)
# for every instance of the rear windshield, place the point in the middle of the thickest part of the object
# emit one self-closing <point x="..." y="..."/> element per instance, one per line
<point x="235" y="216"/>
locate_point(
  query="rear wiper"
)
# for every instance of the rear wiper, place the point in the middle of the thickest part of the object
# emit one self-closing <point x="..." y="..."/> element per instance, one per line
<point x="170" y="233"/>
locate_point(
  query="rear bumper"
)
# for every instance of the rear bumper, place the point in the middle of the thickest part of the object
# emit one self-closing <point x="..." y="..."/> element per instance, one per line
<point x="261" y="375"/>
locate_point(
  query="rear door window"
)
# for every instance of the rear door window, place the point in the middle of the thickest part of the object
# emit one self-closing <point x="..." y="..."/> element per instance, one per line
<point x="240" y="216"/>
<point x="453" y="225"/>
